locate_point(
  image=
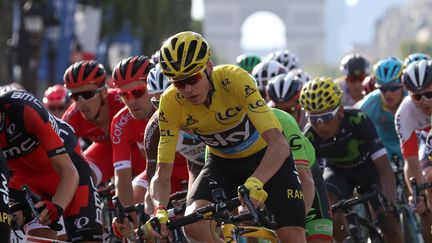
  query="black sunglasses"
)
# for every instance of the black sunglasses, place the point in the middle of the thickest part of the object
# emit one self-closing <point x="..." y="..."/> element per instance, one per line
<point x="392" y="88"/>
<point x="427" y="95"/>
<point x="86" y="95"/>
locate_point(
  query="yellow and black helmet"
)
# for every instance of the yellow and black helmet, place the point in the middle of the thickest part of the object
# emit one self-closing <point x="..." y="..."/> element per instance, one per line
<point x="184" y="55"/>
<point x="320" y="94"/>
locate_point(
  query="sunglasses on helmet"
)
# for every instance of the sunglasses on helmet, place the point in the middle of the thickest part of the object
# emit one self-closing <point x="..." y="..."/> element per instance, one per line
<point x="86" y="95"/>
<point x="136" y="92"/>
<point x="324" y="117"/>
<point x="192" y="80"/>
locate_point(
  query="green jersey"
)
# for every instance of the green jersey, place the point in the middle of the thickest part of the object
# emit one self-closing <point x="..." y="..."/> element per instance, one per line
<point x="302" y="150"/>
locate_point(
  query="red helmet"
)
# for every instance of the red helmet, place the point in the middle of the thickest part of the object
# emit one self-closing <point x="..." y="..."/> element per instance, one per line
<point x="84" y="72"/>
<point x="131" y="69"/>
<point x="56" y="95"/>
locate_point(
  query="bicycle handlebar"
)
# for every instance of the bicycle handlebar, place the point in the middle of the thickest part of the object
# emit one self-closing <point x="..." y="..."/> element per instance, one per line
<point x="343" y="205"/>
<point x="417" y="188"/>
<point x="30" y="198"/>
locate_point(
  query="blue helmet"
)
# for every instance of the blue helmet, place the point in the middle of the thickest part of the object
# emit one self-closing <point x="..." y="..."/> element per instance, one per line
<point x="388" y="71"/>
<point x="416" y="57"/>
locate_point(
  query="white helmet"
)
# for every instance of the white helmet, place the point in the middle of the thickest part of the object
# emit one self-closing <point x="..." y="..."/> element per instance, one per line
<point x="285" y="57"/>
<point x="157" y="82"/>
<point x="301" y="75"/>
<point x="284" y="87"/>
<point x="266" y="70"/>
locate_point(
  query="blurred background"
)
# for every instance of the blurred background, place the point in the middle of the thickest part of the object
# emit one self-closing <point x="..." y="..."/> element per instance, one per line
<point x="39" y="39"/>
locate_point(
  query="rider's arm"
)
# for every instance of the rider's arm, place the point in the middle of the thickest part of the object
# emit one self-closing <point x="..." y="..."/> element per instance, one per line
<point x="169" y="125"/>
<point x="387" y="177"/>
<point x="308" y="185"/>
<point x="57" y="155"/>
<point x="121" y="147"/>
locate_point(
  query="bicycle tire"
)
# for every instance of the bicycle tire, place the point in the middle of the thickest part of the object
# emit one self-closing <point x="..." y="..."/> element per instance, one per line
<point x="409" y="226"/>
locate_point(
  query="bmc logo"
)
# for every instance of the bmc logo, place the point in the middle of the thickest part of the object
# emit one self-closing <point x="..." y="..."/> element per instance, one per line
<point x="22" y="149"/>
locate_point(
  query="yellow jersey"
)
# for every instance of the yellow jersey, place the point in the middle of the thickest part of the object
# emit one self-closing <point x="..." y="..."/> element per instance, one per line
<point x="230" y="126"/>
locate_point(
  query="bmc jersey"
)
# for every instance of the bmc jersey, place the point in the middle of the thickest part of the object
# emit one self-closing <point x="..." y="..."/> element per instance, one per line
<point x="29" y="136"/>
<point x="127" y="141"/>
<point x="302" y="150"/>
<point x="188" y="145"/>
<point x="231" y="125"/>
<point x="87" y="129"/>
<point x="356" y="144"/>
<point x="383" y="119"/>
<point x="408" y="120"/>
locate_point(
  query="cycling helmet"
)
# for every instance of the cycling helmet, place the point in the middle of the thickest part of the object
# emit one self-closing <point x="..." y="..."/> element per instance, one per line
<point x="284" y="87"/>
<point x="135" y="68"/>
<point x="417" y="75"/>
<point x="301" y="75"/>
<point x="184" y="55"/>
<point x="157" y="82"/>
<point x="248" y="62"/>
<point x="266" y="70"/>
<point x="84" y="72"/>
<point x="354" y="65"/>
<point x="155" y="57"/>
<point x="285" y="57"/>
<point x="320" y="94"/>
<point x="388" y="71"/>
<point x="56" y="95"/>
<point x="416" y="57"/>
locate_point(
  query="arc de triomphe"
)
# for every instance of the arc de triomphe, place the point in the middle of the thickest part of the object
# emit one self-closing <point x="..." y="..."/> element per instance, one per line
<point x="304" y="21"/>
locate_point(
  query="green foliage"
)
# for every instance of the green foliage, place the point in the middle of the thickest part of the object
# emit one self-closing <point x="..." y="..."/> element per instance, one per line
<point x="152" y="21"/>
<point x="412" y="46"/>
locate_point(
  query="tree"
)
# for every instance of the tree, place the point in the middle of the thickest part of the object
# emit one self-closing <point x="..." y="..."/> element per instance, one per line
<point x="152" y="21"/>
<point x="409" y="47"/>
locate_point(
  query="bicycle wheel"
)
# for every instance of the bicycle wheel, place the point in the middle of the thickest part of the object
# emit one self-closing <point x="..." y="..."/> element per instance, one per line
<point x="410" y="226"/>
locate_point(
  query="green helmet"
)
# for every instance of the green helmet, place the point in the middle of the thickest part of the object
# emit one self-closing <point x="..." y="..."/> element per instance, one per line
<point x="248" y="62"/>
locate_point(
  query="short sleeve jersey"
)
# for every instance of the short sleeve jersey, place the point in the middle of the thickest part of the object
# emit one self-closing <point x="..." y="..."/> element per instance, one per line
<point x="231" y="125"/>
<point x="301" y="148"/>
<point x="356" y="143"/>
<point x="87" y="129"/>
<point x="408" y="120"/>
<point x="127" y="135"/>
<point x="29" y="135"/>
<point x="383" y="120"/>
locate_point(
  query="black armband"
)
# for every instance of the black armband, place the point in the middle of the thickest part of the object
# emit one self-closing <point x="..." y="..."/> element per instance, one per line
<point x="56" y="151"/>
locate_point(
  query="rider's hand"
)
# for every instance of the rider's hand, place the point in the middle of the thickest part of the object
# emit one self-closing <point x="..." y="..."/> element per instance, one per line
<point x="162" y="216"/>
<point x="51" y="212"/>
<point x="256" y="191"/>
<point x="124" y="229"/>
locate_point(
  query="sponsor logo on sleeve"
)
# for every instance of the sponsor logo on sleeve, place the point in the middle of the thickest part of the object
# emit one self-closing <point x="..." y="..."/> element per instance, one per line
<point x="161" y="117"/>
<point x="258" y="106"/>
<point x="249" y="90"/>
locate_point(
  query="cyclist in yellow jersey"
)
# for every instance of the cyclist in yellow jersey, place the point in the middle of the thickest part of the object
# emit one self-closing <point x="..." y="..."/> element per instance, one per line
<point x="223" y="107"/>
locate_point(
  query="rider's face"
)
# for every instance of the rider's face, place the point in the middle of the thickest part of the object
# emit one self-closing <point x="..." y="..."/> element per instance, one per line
<point x="88" y="99"/>
<point x="137" y="99"/>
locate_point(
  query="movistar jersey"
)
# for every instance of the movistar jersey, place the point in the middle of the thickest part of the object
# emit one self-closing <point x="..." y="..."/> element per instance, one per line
<point x="383" y="120"/>
<point x="302" y="150"/>
<point x="356" y="143"/>
<point x="230" y="126"/>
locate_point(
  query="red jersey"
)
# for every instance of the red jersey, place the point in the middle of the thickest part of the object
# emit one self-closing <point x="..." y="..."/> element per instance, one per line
<point x="127" y="135"/>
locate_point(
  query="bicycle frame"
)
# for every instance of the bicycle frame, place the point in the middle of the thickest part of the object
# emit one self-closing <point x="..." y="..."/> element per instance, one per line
<point x="232" y="232"/>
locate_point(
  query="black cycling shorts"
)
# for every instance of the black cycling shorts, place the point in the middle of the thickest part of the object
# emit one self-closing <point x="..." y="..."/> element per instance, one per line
<point x="4" y="202"/>
<point x="285" y="196"/>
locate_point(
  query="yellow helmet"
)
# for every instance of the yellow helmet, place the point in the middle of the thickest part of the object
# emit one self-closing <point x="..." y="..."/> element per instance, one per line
<point x="184" y="55"/>
<point x="320" y="94"/>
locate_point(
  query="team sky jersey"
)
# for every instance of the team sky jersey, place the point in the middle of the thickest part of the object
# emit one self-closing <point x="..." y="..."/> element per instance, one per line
<point x="302" y="150"/>
<point x="188" y="145"/>
<point x="29" y="136"/>
<point x="383" y="119"/>
<point x="127" y="141"/>
<point x="408" y="120"/>
<point x="356" y="143"/>
<point x="230" y="126"/>
<point x="87" y="129"/>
